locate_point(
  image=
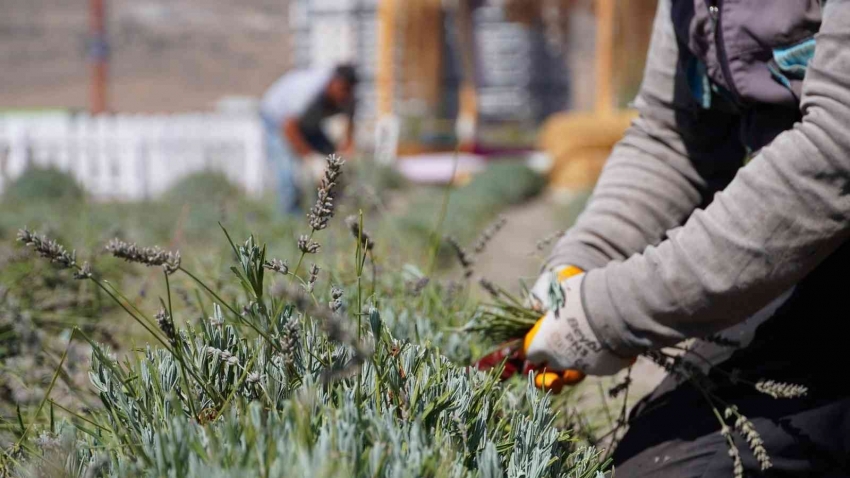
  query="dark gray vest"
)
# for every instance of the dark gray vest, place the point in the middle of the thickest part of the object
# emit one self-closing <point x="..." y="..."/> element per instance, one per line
<point x="748" y="56"/>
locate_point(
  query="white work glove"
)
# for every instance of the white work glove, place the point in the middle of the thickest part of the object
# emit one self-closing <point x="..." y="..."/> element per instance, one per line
<point x="541" y="292"/>
<point x="563" y="340"/>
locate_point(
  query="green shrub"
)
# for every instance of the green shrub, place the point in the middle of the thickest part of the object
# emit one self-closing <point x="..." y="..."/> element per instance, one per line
<point x="289" y="370"/>
<point x="273" y="382"/>
<point x="203" y="187"/>
<point x="44" y="184"/>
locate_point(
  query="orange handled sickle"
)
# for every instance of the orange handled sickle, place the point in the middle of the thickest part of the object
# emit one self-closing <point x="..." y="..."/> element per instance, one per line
<point x="511" y="353"/>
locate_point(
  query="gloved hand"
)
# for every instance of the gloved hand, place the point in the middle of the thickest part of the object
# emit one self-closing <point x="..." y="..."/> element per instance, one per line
<point x="563" y="339"/>
<point x="546" y="379"/>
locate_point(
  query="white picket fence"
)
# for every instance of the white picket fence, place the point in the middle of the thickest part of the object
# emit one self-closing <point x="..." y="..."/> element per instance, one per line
<point x="135" y="157"/>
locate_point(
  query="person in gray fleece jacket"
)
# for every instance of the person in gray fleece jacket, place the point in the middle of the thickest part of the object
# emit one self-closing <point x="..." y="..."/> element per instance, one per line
<point x="725" y="210"/>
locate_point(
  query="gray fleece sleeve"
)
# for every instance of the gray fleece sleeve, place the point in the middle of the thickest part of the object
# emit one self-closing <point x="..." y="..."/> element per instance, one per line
<point x="672" y="159"/>
<point x="782" y="214"/>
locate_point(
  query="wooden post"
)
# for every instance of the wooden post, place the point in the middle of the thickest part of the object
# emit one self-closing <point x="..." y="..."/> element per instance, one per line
<point x="468" y="97"/>
<point x="98" y="53"/>
<point x="604" y="57"/>
<point x="384" y="76"/>
<point x="421" y="27"/>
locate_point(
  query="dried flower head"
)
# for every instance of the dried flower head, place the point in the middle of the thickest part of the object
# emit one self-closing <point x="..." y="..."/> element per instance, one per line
<point x="149" y="256"/>
<point x="462" y="256"/>
<point x="290" y="338"/>
<point x="321" y="213"/>
<point x="488" y="234"/>
<point x="359" y="234"/>
<point x="453" y="289"/>
<point x="336" y="299"/>
<point x="616" y="390"/>
<point x="253" y="378"/>
<point x="780" y="389"/>
<point x="277" y="265"/>
<point x="166" y="325"/>
<point x="307" y="245"/>
<point x="48" y="248"/>
<point x="415" y="288"/>
<point x="747" y="430"/>
<point x="546" y="241"/>
<point x="313" y="277"/>
<point x="489" y="287"/>
<point x="718" y="339"/>
<point x="734" y="453"/>
<point x="85" y="272"/>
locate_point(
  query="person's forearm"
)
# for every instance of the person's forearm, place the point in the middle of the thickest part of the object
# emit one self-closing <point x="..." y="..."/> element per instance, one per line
<point x="670" y="162"/>
<point x="292" y="132"/>
<point x="783" y="214"/>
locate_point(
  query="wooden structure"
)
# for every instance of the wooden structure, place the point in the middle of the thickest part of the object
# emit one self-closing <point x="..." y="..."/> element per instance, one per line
<point x="579" y="143"/>
<point x="463" y="69"/>
<point x="441" y="70"/>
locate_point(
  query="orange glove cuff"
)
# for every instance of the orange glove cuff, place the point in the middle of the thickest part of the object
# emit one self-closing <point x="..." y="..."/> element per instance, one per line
<point x="568" y="272"/>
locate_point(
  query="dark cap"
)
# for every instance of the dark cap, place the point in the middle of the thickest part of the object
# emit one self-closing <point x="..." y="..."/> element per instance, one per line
<point x="347" y="72"/>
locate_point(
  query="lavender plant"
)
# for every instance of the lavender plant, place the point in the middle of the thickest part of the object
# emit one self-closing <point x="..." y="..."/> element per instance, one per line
<point x="281" y="379"/>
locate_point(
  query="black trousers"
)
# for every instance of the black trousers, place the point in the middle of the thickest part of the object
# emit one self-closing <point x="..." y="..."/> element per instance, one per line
<point x="674" y="432"/>
<point x="677" y="435"/>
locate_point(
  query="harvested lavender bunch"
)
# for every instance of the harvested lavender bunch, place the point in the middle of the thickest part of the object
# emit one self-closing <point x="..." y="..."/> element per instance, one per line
<point x="498" y="326"/>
